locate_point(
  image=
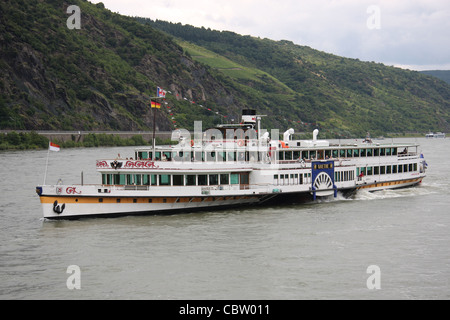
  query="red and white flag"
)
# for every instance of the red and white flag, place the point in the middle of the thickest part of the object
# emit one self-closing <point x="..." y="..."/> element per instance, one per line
<point x="54" y="147"/>
<point x="160" y="93"/>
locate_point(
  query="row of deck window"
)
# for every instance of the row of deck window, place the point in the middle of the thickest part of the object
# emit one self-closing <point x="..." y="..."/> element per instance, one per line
<point x="291" y="179"/>
<point x="335" y="154"/>
<point x="175" y="179"/>
<point x="222" y="156"/>
<point x="377" y="170"/>
<point x="305" y="178"/>
<point x="341" y="176"/>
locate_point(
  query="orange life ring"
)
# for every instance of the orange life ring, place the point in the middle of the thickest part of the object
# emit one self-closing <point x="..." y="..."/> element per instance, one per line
<point x="192" y="143"/>
<point x="240" y="143"/>
<point x="284" y="145"/>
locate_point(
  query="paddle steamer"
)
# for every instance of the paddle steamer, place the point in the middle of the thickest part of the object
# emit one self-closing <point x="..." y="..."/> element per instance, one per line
<point x="234" y="165"/>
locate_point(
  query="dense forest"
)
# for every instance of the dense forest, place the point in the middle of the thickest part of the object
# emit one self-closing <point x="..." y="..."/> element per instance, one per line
<point x="336" y="92"/>
<point x="441" y="74"/>
<point x="102" y="76"/>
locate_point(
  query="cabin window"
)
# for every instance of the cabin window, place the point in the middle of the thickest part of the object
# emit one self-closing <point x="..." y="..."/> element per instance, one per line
<point x="369" y="152"/>
<point x="400" y="168"/>
<point x="191" y="180"/>
<point x="394" y="169"/>
<point x="296" y="155"/>
<point x="405" y="168"/>
<point x="221" y="156"/>
<point x="146" y="180"/>
<point x="376" y="170"/>
<point x="280" y="155"/>
<point x="178" y="180"/>
<point x="202" y="180"/>
<point x="335" y="153"/>
<point x="211" y="156"/>
<point x="363" y="152"/>
<point x="394" y="151"/>
<point x="275" y="179"/>
<point x="213" y="179"/>
<point x="383" y="170"/>
<point x="119" y="179"/>
<point x="288" y="155"/>
<point x="388" y="151"/>
<point x="143" y="155"/>
<point x="349" y="153"/>
<point x="355" y="153"/>
<point x="157" y="156"/>
<point x="224" y="179"/>
<point x="197" y="156"/>
<point x="231" y="156"/>
<point x="137" y="179"/>
<point x="410" y="167"/>
<point x="376" y="152"/>
<point x="382" y="152"/>
<point x="312" y="154"/>
<point x="389" y="169"/>
<point x="245" y="178"/>
<point x="164" y="180"/>
<point x="167" y="156"/>
<point x="305" y="155"/>
<point x="415" y="166"/>
<point x="234" y="178"/>
<point x="320" y="155"/>
<point x="154" y="180"/>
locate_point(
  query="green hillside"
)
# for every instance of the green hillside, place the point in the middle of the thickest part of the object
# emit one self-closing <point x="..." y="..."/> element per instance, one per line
<point x="441" y="74"/>
<point x="340" y="94"/>
<point x="101" y="77"/>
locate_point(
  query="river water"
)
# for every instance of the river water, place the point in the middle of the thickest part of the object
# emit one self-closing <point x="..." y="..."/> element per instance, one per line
<point x="312" y="251"/>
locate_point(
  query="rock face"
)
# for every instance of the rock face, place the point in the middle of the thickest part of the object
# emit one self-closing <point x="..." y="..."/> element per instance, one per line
<point x="100" y="77"/>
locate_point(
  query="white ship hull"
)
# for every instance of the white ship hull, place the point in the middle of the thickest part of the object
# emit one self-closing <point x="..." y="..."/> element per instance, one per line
<point x="81" y="206"/>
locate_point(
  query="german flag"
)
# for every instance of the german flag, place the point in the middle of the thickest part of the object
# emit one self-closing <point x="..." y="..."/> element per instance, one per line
<point x="156" y="105"/>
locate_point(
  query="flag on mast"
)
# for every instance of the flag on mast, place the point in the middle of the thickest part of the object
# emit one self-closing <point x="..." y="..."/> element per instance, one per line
<point x="156" y="105"/>
<point x="54" y="147"/>
<point x="160" y="93"/>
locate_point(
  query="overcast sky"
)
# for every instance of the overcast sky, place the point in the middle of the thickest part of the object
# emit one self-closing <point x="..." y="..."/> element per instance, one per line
<point x="413" y="34"/>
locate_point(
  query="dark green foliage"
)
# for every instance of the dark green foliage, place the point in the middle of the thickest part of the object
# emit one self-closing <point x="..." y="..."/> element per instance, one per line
<point x="21" y="141"/>
<point x="101" y="77"/>
<point x="440" y="74"/>
<point x="339" y="94"/>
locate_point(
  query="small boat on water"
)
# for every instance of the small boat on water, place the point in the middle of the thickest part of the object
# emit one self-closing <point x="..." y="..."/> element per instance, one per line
<point x="437" y="135"/>
<point x="233" y="165"/>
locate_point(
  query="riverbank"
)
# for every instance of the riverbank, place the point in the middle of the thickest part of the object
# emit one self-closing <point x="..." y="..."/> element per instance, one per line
<point x="34" y="141"/>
